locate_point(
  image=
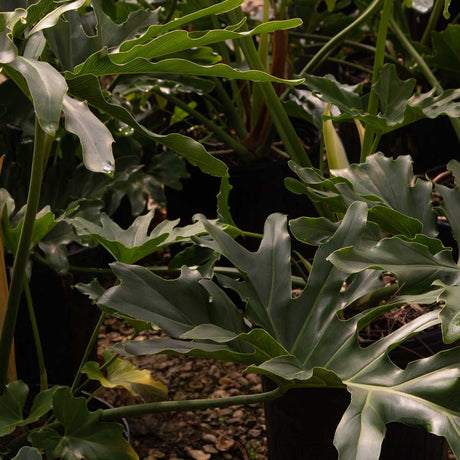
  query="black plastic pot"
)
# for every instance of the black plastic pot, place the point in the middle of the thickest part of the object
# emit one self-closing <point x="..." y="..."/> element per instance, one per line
<point x="65" y="319"/>
<point x="302" y="423"/>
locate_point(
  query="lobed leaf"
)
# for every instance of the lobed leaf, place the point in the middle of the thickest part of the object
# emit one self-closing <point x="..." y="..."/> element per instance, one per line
<point x="84" y="435"/>
<point x="88" y="87"/>
<point x="125" y="374"/>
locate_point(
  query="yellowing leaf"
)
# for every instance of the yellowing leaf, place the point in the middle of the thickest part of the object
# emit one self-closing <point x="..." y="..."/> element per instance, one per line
<point x="125" y="374"/>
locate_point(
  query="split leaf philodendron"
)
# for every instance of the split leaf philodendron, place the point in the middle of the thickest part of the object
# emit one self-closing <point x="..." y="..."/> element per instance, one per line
<point x="76" y="69"/>
<point x="292" y="339"/>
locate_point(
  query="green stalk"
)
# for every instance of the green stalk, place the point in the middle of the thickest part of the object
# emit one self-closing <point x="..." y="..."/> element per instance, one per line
<point x="379" y="58"/>
<point x="338" y="39"/>
<point x="42" y="146"/>
<point x="239" y="148"/>
<point x="235" y="117"/>
<point x="405" y="42"/>
<point x="36" y="334"/>
<point x="223" y="50"/>
<point x="89" y="348"/>
<point x="432" y="21"/>
<point x="427" y="72"/>
<point x="279" y="117"/>
<point x="190" y="405"/>
<point x="263" y="38"/>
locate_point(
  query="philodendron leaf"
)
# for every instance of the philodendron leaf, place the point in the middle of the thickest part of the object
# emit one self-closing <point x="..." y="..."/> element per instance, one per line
<point x="155" y="30"/>
<point x="380" y="182"/>
<point x="123" y="373"/>
<point x="111" y="34"/>
<point x="12" y="403"/>
<point x="451" y="200"/>
<point x="96" y="140"/>
<point x="181" y="40"/>
<point x="423" y="394"/>
<point x="399" y="106"/>
<point x="88" y="88"/>
<point x="84" y="436"/>
<point x="306" y="340"/>
<point x="390" y="181"/>
<point x="28" y="453"/>
<point x="413" y="263"/>
<point x="450" y="314"/>
<point x="101" y="63"/>
<point x="94" y="291"/>
<point x="175" y="305"/>
<point x="52" y="17"/>
<point x="44" y="223"/>
<point x="446" y="48"/>
<point x="135" y="243"/>
<point x="44" y="85"/>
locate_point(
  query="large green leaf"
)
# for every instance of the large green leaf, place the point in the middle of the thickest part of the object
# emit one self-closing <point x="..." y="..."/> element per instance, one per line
<point x="88" y="88"/>
<point x="12" y="406"/>
<point x="135" y="243"/>
<point x="181" y="40"/>
<point x="415" y="265"/>
<point x="399" y="106"/>
<point x="424" y="394"/>
<point x="155" y="30"/>
<point x="446" y="46"/>
<point x="84" y="435"/>
<point x="111" y="34"/>
<point x="451" y="200"/>
<point x="384" y="184"/>
<point x="50" y="19"/>
<point x="101" y="63"/>
<point x="390" y="181"/>
<point x="12" y="403"/>
<point x="450" y="314"/>
<point x="96" y="140"/>
<point x="28" y="453"/>
<point x="175" y="305"/>
<point x="72" y="45"/>
<point x="44" y="85"/>
<point x="305" y="340"/>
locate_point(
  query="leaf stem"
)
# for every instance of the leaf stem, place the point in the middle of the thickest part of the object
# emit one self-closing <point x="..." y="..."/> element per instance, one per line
<point x="232" y="112"/>
<point x="373" y="105"/>
<point x="89" y="348"/>
<point x="42" y="146"/>
<point x="234" y="144"/>
<point x="337" y="40"/>
<point x="283" y="124"/>
<point x="432" y="21"/>
<point x="36" y="334"/>
<point x="191" y="404"/>
<point x="405" y="42"/>
<point x="429" y="75"/>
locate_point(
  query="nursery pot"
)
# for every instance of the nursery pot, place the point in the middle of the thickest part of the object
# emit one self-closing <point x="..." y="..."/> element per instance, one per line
<point x="302" y="423"/>
<point x="65" y="320"/>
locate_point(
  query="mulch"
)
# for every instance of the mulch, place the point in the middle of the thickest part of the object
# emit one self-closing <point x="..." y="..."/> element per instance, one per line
<point x="229" y="433"/>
